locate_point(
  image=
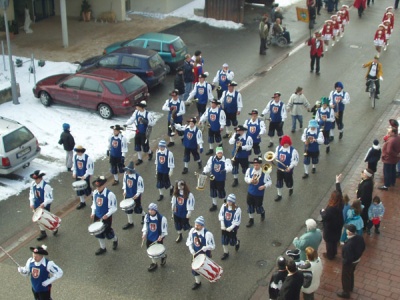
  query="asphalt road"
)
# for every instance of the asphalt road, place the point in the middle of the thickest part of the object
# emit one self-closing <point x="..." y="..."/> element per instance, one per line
<point x="122" y="274"/>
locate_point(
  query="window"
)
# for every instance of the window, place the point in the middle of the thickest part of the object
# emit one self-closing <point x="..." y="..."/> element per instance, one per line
<point x="73" y="83"/>
<point x="92" y="85"/>
<point x="109" y="61"/>
<point x="136" y="43"/>
<point x="155" y="61"/>
<point x="154" y="45"/>
<point x="132" y="84"/>
<point x="130" y="61"/>
<point x="17" y="138"/>
<point x="113" y="87"/>
<point x="178" y="44"/>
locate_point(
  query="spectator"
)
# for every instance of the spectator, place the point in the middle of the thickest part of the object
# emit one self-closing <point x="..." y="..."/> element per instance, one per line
<point x="278" y="13"/>
<point x="68" y="142"/>
<point x="188" y="76"/>
<point x="179" y="83"/>
<point x="351" y="253"/>
<point x="313" y="264"/>
<point x="364" y="193"/>
<point x="311" y="10"/>
<point x="278" y="29"/>
<point x="354" y="217"/>
<point x="292" y="285"/>
<point x="332" y="219"/>
<point x="390" y="157"/>
<point x="375" y="214"/>
<point x="295" y="106"/>
<point x="263" y="30"/>
<point x="278" y="278"/>
<point x="272" y="13"/>
<point x="312" y="238"/>
<point x="373" y="155"/>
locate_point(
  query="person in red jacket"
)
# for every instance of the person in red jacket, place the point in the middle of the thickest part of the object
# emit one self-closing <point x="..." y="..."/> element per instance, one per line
<point x="389" y="15"/>
<point x="380" y="39"/>
<point x="327" y="33"/>
<point x="390" y="156"/>
<point x="316" y="51"/>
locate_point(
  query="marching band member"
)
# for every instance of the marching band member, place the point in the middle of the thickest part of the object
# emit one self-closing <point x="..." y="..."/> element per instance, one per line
<point x="287" y="158"/>
<point x="155" y="229"/>
<point x="202" y="93"/>
<point x="82" y="169"/>
<point x="165" y="165"/>
<point x="230" y="217"/>
<point x="277" y="115"/>
<point x="258" y="181"/>
<point x="133" y="187"/>
<point x="223" y="78"/>
<point x="103" y="207"/>
<point x="43" y="272"/>
<point x="389" y="15"/>
<point x="241" y="152"/>
<point x="182" y="207"/>
<point x="388" y="31"/>
<point x="312" y="137"/>
<point x="176" y="109"/>
<point x="327" y="33"/>
<point x="255" y="129"/>
<point x="338" y="99"/>
<point x="40" y="195"/>
<point x="232" y="104"/>
<point x="199" y="241"/>
<point x="325" y="117"/>
<point x="217" y="166"/>
<point x="117" y="149"/>
<point x="144" y="121"/>
<point x="345" y="16"/>
<point x="295" y="105"/>
<point x="340" y="22"/>
<point x="335" y="26"/>
<point x="217" y="119"/>
<point x="380" y="38"/>
<point x="316" y="52"/>
<point x="192" y="138"/>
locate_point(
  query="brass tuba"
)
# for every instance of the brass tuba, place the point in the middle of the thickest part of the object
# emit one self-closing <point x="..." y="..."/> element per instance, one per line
<point x="269" y="156"/>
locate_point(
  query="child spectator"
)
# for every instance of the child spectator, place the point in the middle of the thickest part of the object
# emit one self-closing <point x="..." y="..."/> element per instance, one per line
<point x="277" y="278"/>
<point x="373" y="155"/>
<point x="354" y="217"/>
<point x="375" y="214"/>
<point x="68" y="142"/>
<point x="315" y="108"/>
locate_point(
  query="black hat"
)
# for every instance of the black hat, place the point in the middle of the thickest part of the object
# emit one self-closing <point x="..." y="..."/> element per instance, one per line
<point x="352" y="228"/>
<point x="281" y="261"/>
<point x="37" y="174"/>
<point x="197" y="53"/>
<point x="117" y="127"/>
<point x="39" y="250"/>
<point x="394" y="123"/>
<point x="215" y="101"/>
<point x="240" y="128"/>
<point x="194" y="120"/>
<point x="142" y="103"/>
<point x="101" y="180"/>
<point x="130" y="167"/>
<point x="203" y="75"/>
<point x="375" y="142"/>
<point x="79" y="149"/>
<point x="253" y="112"/>
<point x="295" y="254"/>
<point x="257" y="160"/>
<point x="175" y="91"/>
<point x="232" y="83"/>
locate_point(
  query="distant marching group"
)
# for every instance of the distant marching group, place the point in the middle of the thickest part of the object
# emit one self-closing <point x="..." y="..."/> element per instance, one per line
<point x="385" y="29"/>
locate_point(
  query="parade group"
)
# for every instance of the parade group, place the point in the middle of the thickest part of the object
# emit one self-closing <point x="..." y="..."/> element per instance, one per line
<point x="218" y="116"/>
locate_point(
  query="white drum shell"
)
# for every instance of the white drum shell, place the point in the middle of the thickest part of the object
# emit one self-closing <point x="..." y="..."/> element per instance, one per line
<point x="207" y="268"/>
<point x="46" y="218"/>
<point x="96" y="228"/>
<point x="127" y="204"/>
<point x="156" y="251"/>
<point x="79" y="185"/>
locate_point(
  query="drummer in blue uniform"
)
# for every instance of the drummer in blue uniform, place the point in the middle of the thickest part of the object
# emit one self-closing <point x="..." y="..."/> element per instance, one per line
<point x="82" y="169"/>
<point x="223" y="78"/>
<point x="103" y="207"/>
<point x="40" y="196"/>
<point x="230" y="216"/>
<point x="133" y="187"/>
<point x="255" y="129"/>
<point x="117" y="149"/>
<point x="165" y="165"/>
<point x="312" y="138"/>
<point x="155" y="229"/>
<point x="232" y="104"/>
<point x="43" y="272"/>
<point x="202" y="93"/>
<point x="325" y="117"/>
<point x="199" y="241"/>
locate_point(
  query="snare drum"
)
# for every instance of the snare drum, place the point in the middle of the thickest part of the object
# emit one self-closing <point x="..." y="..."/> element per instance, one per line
<point x="201" y="182"/>
<point x="96" y="228"/>
<point x="207" y="268"/>
<point x="127" y="204"/>
<point x="156" y="251"/>
<point x="47" y="219"/>
<point x="79" y="185"/>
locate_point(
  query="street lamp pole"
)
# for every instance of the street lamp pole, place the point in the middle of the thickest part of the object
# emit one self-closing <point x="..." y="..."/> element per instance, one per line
<point x="4" y="6"/>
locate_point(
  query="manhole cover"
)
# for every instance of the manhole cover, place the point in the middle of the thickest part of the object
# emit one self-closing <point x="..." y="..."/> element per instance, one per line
<point x="276" y="244"/>
<point x="262" y="263"/>
<point x="260" y="74"/>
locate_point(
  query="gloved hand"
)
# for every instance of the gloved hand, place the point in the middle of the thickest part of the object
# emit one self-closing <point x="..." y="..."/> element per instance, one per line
<point x="223" y="227"/>
<point x="204" y="249"/>
<point x="381" y="78"/>
<point x="201" y="150"/>
<point x="45" y="283"/>
<point x="170" y="173"/>
<point x="22" y="270"/>
<point x="192" y="251"/>
<point x="108" y="152"/>
<point x="229" y="229"/>
<point x="188" y="215"/>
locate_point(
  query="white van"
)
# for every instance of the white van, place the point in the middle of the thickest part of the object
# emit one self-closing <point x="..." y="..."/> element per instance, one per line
<point x="18" y="146"/>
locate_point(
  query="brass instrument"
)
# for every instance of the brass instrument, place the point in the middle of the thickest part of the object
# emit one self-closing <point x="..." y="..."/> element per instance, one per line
<point x="174" y="112"/>
<point x="212" y="177"/>
<point x="266" y="169"/>
<point x="310" y="139"/>
<point x="201" y="181"/>
<point x="238" y="144"/>
<point x="269" y="156"/>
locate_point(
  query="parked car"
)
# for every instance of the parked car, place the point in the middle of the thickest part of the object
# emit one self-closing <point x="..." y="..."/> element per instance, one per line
<point x="170" y="47"/>
<point x="18" y="146"/>
<point x="145" y="63"/>
<point x="110" y="92"/>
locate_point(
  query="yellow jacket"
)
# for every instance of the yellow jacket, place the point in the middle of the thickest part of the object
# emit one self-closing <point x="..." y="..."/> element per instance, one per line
<point x="379" y="72"/>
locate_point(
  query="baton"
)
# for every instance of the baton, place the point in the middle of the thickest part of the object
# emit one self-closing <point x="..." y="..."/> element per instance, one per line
<point x="10" y="256"/>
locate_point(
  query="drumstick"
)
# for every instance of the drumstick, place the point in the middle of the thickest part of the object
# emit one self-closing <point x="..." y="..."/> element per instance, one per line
<point x="10" y="256"/>
<point x="141" y="246"/>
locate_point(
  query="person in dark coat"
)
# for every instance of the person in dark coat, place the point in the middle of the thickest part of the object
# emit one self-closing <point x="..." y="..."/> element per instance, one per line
<point x="373" y="155"/>
<point x="277" y="278"/>
<point x="332" y="218"/>
<point x="364" y="193"/>
<point x="179" y="83"/>
<point x="67" y="140"/>
<point x="292" y="285"/>
<point x="188" y="75"/>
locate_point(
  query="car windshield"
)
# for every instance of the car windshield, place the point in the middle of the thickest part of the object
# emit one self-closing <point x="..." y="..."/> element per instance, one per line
<point x="178" y="44"/>
<point x="155" y="61"/>
<point x="17" y="138"/>
<point x="112" y="87"/>
<point x="132" y="84"/>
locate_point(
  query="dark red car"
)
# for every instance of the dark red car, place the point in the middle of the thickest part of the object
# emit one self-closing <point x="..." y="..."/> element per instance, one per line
<point x="108" y="91"/>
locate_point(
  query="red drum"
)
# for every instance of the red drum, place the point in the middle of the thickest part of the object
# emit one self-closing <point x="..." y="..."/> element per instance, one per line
<point x="207" y="268"/>
<point x="47" y="219"/>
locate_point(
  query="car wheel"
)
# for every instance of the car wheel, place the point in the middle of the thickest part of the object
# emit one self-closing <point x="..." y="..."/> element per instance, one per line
<point x="105" y="111"/>
<point x="45" y="98"/>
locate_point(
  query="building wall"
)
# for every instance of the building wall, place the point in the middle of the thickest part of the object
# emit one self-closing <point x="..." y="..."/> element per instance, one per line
<point x="10" y="11"/>
<point x="158" y="6"/>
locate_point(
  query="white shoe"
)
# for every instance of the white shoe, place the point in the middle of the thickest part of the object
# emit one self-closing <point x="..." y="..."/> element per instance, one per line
<point x="333" y="44"/>
<point x="384" y="48"/>
<point x="326" y="49"/>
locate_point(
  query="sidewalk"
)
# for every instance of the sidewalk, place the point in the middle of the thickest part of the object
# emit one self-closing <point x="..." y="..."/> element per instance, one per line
<point x="378" y="274"/>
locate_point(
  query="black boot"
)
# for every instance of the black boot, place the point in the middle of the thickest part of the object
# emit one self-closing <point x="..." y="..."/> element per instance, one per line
<point x="200" y="164"/>
<point x="213" y="207"/>
<point x="235" y="182"/>
<point x="171" y="191"/>
<point x="263" y="216"/>
<point x="179" y="239"/>
<point x="142" y="220"/>
<point x="42" y="235"/>
<point x="251" y="223"/>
